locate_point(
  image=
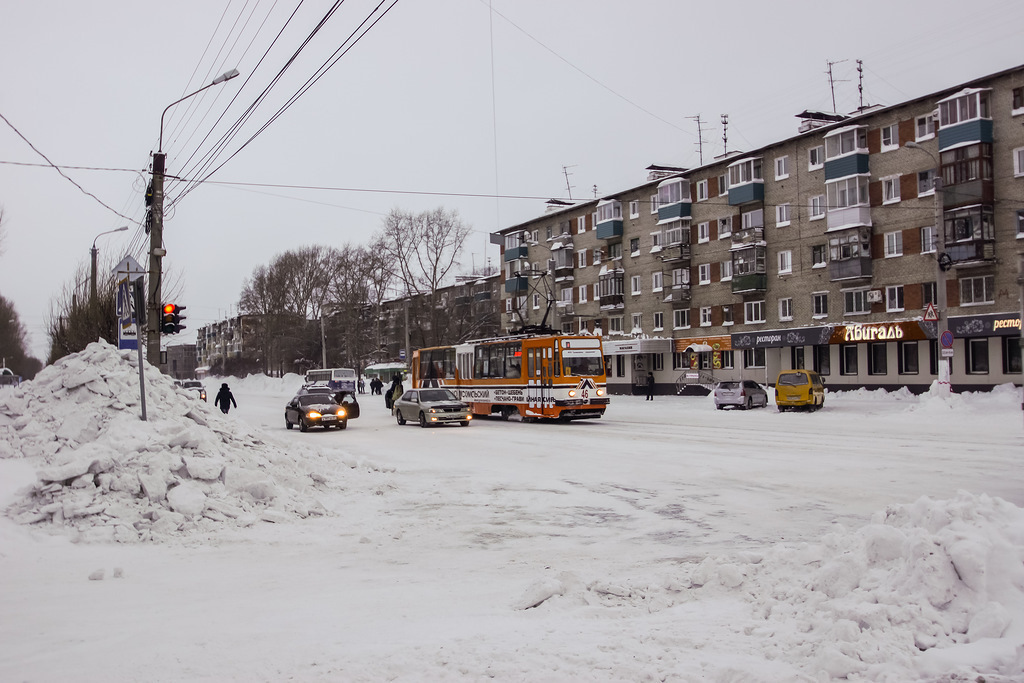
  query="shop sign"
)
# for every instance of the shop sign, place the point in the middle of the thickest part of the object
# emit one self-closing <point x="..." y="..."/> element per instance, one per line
<point x="800" y="336"/>
<point x="986" y="325"/>
<point x="723" y="343"/>
<point x="877" y="332"/>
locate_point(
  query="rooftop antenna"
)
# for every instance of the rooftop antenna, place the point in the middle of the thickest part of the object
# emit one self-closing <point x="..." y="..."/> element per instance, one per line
<point x="595" y="191"/>
<point x="700" y="138"/>
<point x="725" y="133"/>
<point x="568" y="187"/>
<point x="832" y="82"/>
<point x="860" y="83"/>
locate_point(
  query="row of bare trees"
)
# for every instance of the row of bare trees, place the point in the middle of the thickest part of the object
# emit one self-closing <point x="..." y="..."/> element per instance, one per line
<point x="13" y="337"/>
<point x="343" y="289"/>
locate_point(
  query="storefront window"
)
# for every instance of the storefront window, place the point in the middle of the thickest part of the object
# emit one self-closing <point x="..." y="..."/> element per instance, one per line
<point x="822" y="360"/>
<point x="977" y="356"/>
<point x="877" y="360"/>
<point x="753" y="358"/>
<point x="908" y="358"/>
<point x="797" y="358"/>
<point x="848" y="359"/>
<point x="1011" y="355"/>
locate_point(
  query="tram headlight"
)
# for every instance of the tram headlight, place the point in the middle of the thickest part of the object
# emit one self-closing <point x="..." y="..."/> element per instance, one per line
<point x="572" y="393"/>
<point x="600" y="392"/>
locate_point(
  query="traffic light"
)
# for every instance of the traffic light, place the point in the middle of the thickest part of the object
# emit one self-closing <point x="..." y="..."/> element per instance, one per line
<point x="170" y="320"/>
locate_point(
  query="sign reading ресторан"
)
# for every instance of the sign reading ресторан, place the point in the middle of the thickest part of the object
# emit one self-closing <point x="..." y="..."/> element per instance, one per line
<point x="992" y="324"/>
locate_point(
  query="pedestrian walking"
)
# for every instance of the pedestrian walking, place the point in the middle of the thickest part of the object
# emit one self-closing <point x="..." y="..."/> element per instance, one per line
<point x="394" y="391"/>
<point x="650" y="386"/>
<point x="225" y="399"/>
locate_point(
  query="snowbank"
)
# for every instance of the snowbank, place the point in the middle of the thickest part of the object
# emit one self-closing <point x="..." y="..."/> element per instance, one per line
<point x="109" y="476"/>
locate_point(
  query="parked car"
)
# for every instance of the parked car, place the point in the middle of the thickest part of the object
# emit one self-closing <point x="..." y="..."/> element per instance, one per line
<point x="196" y="386"/>
<point x="321" y="409"/>
<point x="744" y="394"/>
<point x="799" y="389"/>
<point x="431" y="407"/>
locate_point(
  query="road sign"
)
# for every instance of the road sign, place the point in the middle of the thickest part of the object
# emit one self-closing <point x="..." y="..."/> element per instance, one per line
<point x="930" y="314"/>
<point x="130" y="267"/>
<point x="946" y="340"/>
<point x="947" y="353"/>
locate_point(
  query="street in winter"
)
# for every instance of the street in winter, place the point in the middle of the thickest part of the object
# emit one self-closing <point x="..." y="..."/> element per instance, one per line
<point x="878" y="539"/>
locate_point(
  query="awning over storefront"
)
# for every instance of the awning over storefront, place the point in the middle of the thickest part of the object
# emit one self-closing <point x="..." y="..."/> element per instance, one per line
<point x="992" y="325"/>
<point x="629" y="347"/>
<point x="797" y="336"/>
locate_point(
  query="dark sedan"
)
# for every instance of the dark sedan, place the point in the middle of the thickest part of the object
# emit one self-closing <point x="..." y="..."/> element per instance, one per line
<point x="320" y="409"/>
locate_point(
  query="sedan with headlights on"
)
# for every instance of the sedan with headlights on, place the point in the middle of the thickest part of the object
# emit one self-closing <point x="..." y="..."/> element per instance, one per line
<point x="320" y="409"/>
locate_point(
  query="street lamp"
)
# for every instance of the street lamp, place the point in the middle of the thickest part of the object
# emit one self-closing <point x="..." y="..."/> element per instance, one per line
<point x="156" y="231"/>
<point x="942" y="263"/>
<point x="93" y="252"/>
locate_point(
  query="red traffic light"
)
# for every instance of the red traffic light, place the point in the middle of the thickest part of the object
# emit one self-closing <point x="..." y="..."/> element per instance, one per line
<point x="169" y="309"/>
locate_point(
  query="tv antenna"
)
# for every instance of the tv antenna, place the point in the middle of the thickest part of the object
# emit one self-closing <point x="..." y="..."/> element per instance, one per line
<point x="568" y="187"/>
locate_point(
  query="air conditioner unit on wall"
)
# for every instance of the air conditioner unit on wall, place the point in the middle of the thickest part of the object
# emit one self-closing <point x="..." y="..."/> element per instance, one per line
<point x="875" y="296"/>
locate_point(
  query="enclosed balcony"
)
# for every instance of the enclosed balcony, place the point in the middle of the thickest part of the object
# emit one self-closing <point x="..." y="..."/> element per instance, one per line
<point x="746" y="184"/>
<point x="610" y="292"/>
<point x="747" y="236"/>
<point x="518" y="252"/>
<point x="680" y="296"/>
<point x="749" y="273"/>
<point x="676" y="254"/>
<point x="965" y="117"/>
<point x="609" y="219"/>
<point x="516" y="284"/>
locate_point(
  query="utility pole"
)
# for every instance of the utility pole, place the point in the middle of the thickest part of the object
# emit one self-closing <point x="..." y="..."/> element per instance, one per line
<point x="941" y="263"/>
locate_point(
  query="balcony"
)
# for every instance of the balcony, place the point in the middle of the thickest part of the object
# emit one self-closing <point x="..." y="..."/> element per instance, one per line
<point x="849" y="217"/>
<point x="680" y="296"/>
<point x="482" y="296"/>
<point x="850" y="269"/>
<point x="746" y="193"/>
<point x="516" y="284"/>
<point x="611" y="302"/>
<point x="747" y="236"/>
<point x="750" y="282"/>
<point x="511" y="254"/>
<point x="564" y="307"/>
<point x="976" y="130"/>
<point x="679" y="210"/>
<point x="609" y="229"/>
<point x="971" y="192"/>
<point x="676" y="254"/>
<point x="972" y="253"/>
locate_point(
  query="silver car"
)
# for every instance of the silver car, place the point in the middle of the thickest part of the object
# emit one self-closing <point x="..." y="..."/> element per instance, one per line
<point x="744" y="394"/>
<point x="431" y="407"/>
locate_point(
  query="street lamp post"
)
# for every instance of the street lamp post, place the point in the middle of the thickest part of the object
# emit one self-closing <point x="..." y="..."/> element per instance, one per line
<point x="93" y="252"/>
<point x="941" y="264"/>
<point x="156" y="232"/>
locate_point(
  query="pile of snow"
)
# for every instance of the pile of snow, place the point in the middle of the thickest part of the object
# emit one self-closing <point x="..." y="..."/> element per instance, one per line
<point x="931" y="587"/>
<point x="111" y="476"/>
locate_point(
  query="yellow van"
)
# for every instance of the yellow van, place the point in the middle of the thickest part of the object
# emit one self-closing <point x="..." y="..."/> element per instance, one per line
<point x="799" y="388"/>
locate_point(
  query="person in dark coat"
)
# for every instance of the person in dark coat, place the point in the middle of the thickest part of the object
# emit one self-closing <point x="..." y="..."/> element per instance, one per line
<point x="224" y="399"/>
<point x="650" y="386"/>
<point x="394" y="391"/>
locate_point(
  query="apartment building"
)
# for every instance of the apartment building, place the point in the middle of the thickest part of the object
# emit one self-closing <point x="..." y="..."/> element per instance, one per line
<point x="835" y="250"/>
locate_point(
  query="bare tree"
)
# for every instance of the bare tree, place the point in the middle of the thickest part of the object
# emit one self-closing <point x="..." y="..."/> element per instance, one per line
<point x="14" y="343"/>
<point x="3" y="232"/>
<point x="76" y="320"/>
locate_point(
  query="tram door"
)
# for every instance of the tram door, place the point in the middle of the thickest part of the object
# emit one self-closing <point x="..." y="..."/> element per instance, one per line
<point x="539" y="366"/>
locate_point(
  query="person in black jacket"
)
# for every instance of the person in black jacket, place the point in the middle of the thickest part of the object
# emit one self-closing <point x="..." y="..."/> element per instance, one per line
<point x="650" y="386"/>
<point x="224" y="399"/>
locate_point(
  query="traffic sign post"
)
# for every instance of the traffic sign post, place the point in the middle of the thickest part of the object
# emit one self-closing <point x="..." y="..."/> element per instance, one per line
<point x="946" y="339"/>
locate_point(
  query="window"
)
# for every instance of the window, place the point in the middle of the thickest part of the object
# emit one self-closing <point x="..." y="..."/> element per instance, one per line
<point x="680" y="276"/>
<point x="820" y="303"/>
<point x="508" y="305"/>
<point x="846" y="141"/>
<point x="674" y="233"/>
<point x="893" y="244"/>
<point x="654" y="203"/>
<point x="855" y="302"/>
<point x="634" y="284"/>
<point x="674" y="191"/>
<point x="727" y="360"/>
<point x="536" y="301"/>
<point x="969" y="224"/>
<point x="681" y="318"/>
<point x="581" y="222"/>
<point x="615" y="323"/>
<point x="796" y="357"/>
<point x="1018" y="162"/>
<point x="966" y="164"/>
<point x="819" y="256"/>
<point x="977" y="290"/>
<point x="582" y="294"/>
<point x="890" y="138"/>
<point x="753" y="358"/>
<point x="977" y="356"/>
<point x="894" y="298"/>
<point x="581" y="258"/>
<point x="926" y="182"/>
<point x="928" y="239"/>
<point x="847" y="246"/>
<point x="723" y="184"/>
<point x="849" y="192"/>
<point x="634" y="246"/>
<point x="750" y="219"/>
<point x="742" y="172"/>
<point x="847" y="359"/>
<point x="615" y="250"/>
<point x="680" y="361"/>
<point x="1018" y="100"/>
<point x="1020" y="223"/>
<point x="785" y="309"/>
<point x="817" y="207"/>
<point x="565" y="295"/>
<point x="754" y="311"/>
<point x="890" y="189"/>
<point x="782" y="215"/>
<point x="1011" y="355"/>
<point x="815" y="158"/>
<point x="657" y="280"/>
<point x="634" y="209"/>
<point x="705" y="316"/>
<point x="659" y="321"/>
<point x="823" y="360"/>
<point x="726" y="270"/>
<point x="704" y="274"/>
<point x="724" y="227"/>
<point x="781" y="168"/>
<point x="929" y="294"/>
<point x="657" y="361"/>
<point x="878" y="362"/>
<point x="703" y="232"/>
<point x="907" y="363"/>
<point x="702" y="190"/>
<point x="638" y="320"/>
<point x="785" y="262"/>
<point x="924" y="127"/>
<point x="957" y="109"/>
<point x="656" y="241"/>
<point x="727" y="315"/>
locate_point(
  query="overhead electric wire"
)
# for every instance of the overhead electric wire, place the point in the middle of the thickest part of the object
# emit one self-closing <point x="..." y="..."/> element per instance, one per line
<point x="359" y="32"/>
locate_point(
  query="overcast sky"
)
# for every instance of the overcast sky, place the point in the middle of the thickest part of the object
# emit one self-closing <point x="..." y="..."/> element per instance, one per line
<point x="450" y="103"/>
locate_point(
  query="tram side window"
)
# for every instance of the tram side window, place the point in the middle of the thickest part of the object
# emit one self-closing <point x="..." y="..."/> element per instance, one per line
<point x="481" y="363"/>
<point x="497" y="361"/>
<point x="513" y="360"/>
<point x="438" y="363"/>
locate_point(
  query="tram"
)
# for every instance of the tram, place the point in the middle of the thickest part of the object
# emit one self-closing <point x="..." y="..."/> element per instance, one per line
<point x="555" y="377"/>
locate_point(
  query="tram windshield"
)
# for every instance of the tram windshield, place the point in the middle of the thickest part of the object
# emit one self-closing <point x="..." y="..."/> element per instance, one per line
<point x="582" y="362"/>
